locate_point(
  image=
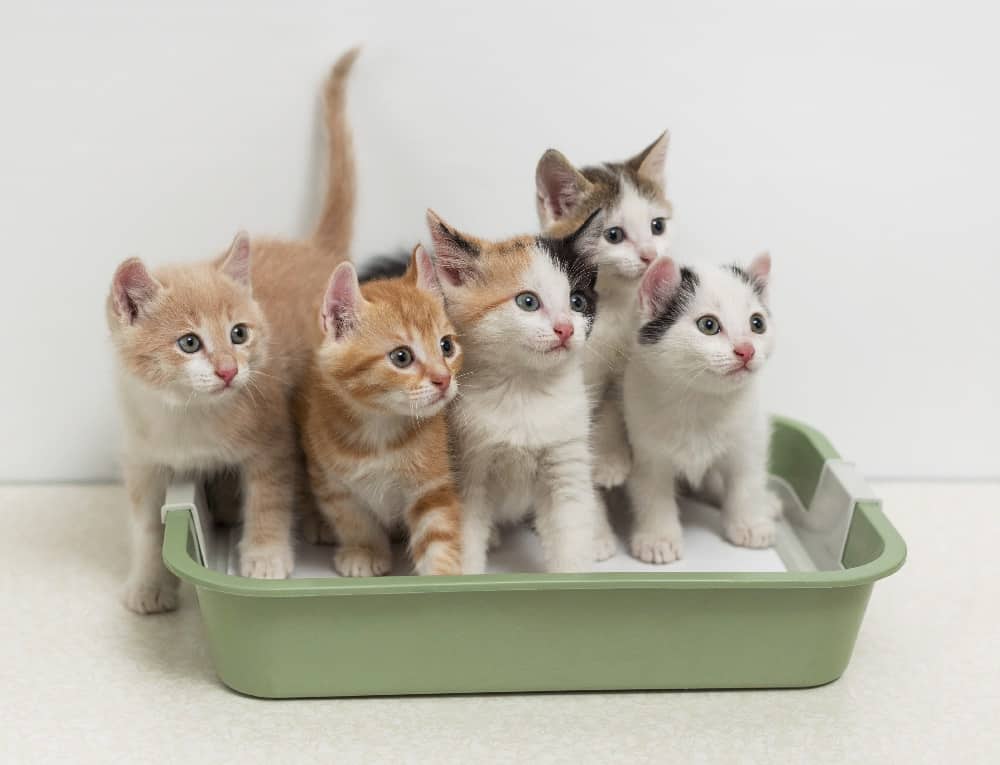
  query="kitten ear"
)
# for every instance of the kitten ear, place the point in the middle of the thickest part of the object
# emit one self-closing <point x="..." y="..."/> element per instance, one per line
<point x="342" y="302"/>
<point x="560" y="187"/>
<point x="236" y="264"/>
<point x="650" y="164"/>
<point x="659" y="284"/>
<point x="132" y="288"/>
<point x="760" y="270"/>
<point x="421" y="270"/>
<point x="454" y="253"/>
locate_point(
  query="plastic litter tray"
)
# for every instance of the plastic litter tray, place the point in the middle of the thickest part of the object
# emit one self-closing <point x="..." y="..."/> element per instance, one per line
<point x="723" y="617"/>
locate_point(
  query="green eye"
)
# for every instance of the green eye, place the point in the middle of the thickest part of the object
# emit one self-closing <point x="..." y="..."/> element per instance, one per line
<point x="447" y="346"/>
<point x="615" y="235"/>
<point x="578" y="302"/>
<point x="709" y="325"/>
<point x="757" y="324"/>
<point x="528" y="301"/>
<point x="239" y="334"/>
<point x="402" y="357"/>
<point x="190" y="343"/>
<point x="658" y="226"/>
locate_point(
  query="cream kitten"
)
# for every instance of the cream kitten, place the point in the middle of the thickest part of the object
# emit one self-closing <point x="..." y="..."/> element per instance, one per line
<point x="634" y="224"/>
<point x="691" y="402"/>
<point x="208" y="354"/>
<point x="522" y="309"/>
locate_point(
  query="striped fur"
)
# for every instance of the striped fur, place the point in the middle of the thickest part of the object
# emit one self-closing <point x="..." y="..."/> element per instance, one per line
<point x="375" y="435"/>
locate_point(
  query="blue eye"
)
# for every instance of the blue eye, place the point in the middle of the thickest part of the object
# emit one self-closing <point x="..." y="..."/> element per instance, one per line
<point x="239" y="334"/>
<point x="709" y="325"/>
<point x="614" y="235"/>
<point x="757" y="324"/>
<point x="190" y="343"/>
<point x="528" y="301"/>
<point x="402" y="357"/>
<point x="447" y="346"/>
<point x="578" y="302"/>
<point x="658" y="226"/>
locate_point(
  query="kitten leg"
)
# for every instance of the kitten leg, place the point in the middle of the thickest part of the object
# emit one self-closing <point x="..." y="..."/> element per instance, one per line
<point x="567" y="510"/>
<point x="656" y="532"/>
<point x="266" y="545"/>
<point x="612" y="455"/>
<point x="749" y="509"/>
<point x="477" y="526"/>
<point x="150" y="588"/>
<point x="434" y="522"/>
<point x="364" y="548"/>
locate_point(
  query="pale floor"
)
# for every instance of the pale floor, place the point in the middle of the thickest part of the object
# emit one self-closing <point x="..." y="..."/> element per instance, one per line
<point x="82" y="679"/>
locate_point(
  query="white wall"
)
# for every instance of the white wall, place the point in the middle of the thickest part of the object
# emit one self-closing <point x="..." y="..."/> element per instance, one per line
<point x="857" y="141"/>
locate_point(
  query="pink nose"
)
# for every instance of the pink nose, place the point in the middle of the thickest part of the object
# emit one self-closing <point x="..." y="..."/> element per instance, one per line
<point x="647" y="255"/>
<point x="441" y="380"/>
<point x="745" y="351"/>
<point x="226" y="374"/>
<point x="564" y="329"/>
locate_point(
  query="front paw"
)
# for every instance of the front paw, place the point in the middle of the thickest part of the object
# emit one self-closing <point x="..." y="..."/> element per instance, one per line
<point x="750" y="532"/>
<point x="605" y="545"/>
<point x="266" y="562"/>
<point x="361" y="561"/>
<point x="657" y="548"/>
<point x="150" y="597"/>
<point x="611" y="469"/>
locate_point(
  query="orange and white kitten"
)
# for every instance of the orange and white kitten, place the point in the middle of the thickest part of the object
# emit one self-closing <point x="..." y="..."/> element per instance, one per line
<point x="208" y="354"/>
<point x="372" y="422"/>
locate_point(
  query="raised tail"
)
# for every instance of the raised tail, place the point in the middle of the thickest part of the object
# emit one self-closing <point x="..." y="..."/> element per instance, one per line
<point x="336" y="223"/>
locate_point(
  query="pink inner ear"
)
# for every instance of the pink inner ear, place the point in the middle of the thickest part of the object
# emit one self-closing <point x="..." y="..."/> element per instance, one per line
<point x="558" y="186"/>
<point x="341" y="302"/>
<point x="760" y="268"/>
<point x="659" y="284"/>
<point x="237" y="263"/>
<point x="426" y="277"/>
<point x="132" y="288"/>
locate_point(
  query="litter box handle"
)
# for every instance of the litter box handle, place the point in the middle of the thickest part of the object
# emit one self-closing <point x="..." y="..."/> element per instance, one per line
<point x="190" y="497"/>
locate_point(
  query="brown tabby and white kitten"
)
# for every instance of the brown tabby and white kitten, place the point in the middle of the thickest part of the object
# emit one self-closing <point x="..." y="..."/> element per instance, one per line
<point x="208" y="354"/>
<point x="635" y="216"/>
<point x="371" y="415"/>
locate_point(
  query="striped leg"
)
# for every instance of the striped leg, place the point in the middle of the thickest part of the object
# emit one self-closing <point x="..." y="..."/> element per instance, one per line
<point x="434" y="521"/>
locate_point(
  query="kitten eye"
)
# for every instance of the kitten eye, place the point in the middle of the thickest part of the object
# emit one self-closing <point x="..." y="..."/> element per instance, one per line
<point x="709" y="325"/>
<point x="615" y="235"/>
<point x="239" y="334"/>
<point x="528" y="301"/>
<point x="757" y="324"/>
<point x="658" y="226"/>
<point x="447" y="346"/>
<point x="578" y="302"/>
<point x="190" y="343"/>
<point x="402" y="356"/>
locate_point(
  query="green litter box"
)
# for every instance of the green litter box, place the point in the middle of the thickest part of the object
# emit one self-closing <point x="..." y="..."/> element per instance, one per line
<point x="723" y="617"/>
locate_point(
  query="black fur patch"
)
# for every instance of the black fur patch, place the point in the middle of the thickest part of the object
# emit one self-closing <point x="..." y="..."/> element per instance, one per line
<point x="752" y="283"/>
<point x="654" y="330"/>
<point x="569" y="254"/>
<point x="385" y="267"/>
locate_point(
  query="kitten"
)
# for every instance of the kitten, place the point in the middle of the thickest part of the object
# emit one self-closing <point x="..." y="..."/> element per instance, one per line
<point x="207" y="354"/>
<point x="371" y="415"/>
<point x="522" y="308"/>
<point x="635" y="222"/>
<point x="691" y="402"/>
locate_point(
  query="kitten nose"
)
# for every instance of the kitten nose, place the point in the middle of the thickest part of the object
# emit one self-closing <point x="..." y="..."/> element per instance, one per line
<point x="564" y="329"/>
<point x="647" y="254"/>
<point x="226" y="373"/>
<point x="745" y="351"/>
<point x="441" y="380"/>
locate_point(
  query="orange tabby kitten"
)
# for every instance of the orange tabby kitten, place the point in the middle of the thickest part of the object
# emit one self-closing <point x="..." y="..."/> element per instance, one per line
<point x="372" y="422"/>
<point x="208" y="354"/>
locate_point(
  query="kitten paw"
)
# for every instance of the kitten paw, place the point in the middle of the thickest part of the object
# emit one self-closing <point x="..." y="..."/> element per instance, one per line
<point x="605" y="545"/>
<point x="611" y="470"/>
<point x="316" y="531"/>
<point x="750" y="532"/>
<point x="266" y="562"/>
<point x="361" y="561"/>
<point x="150" y="597"/>
<point x="650" y="548"/>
